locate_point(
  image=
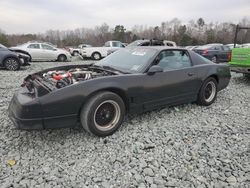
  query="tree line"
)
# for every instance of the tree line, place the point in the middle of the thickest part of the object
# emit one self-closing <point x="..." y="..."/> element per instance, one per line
<point x="194" y="32"/>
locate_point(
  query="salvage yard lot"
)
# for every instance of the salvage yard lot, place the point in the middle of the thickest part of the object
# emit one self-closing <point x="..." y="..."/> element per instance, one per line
<point x="182" y="146"/>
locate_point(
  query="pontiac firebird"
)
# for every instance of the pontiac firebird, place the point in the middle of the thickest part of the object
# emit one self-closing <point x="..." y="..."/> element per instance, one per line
<point x="131" y="80"/>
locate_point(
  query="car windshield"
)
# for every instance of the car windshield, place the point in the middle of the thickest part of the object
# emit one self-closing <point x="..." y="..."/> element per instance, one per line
<point x="129" y="60"/>
<point x="2" y="46"/>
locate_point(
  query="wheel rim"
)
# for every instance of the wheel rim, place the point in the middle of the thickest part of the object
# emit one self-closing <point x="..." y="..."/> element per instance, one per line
<point x="210" y="91"/>
<point x="96" y="56"/>
<point x="75" y="53"/>
<point x="11" y="64"/>
<point x="214" y="59"/>
<point x="62" y="58"/>
<point x="107" y="115"/>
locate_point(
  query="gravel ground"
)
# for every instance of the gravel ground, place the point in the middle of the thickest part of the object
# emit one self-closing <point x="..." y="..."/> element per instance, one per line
<point x="183" y="146"/>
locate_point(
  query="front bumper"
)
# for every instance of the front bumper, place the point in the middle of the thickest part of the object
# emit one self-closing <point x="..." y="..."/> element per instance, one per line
<point x="25" y="111"/>
<point x="25" y="124"/>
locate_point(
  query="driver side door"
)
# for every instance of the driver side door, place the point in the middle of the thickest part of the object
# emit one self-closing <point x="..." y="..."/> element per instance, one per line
<point x="177" y="83"/>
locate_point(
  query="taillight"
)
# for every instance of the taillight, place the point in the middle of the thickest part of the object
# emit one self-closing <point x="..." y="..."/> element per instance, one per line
<point x="205" y="52"/>
<point x="229" y="56"/>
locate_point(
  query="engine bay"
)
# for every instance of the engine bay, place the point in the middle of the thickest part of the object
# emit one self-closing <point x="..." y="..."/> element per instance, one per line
<point x="52" y="79"/>
<point x="63" y="78"/>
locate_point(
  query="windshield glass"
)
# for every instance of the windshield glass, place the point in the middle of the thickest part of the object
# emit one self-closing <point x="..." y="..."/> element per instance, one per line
<point x="129" y="60"/>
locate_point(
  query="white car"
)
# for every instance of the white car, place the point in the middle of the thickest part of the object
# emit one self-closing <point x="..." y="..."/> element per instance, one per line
<point x="96" y="53"/>
<point x="246" y="45"/>
<point x="76" y="51"/>
<point x="231" y="46"/>
<point x="40" y="51"/>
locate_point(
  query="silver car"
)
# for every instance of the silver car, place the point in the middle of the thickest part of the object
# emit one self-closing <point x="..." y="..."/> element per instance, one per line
<point x="40" y="51"/>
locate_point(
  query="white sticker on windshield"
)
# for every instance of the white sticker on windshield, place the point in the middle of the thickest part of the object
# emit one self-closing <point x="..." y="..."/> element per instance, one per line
<point x="135" y="67"/>
<point x="141" y="53"/>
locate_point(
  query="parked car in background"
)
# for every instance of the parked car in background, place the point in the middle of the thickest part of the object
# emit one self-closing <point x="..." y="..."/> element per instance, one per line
<point x="215" y="52"/>
<point x="231" y="46"/>
<point x="96" y="53"/>
<point x="12" y="60"/>
<point x="152" y="42"/>
<point x="191" y="47"/>
<point x="41" y="51"/>
<point x="131" y="80"/>
<point x="169" y="43"/>
<point x="246" y="45"/>
<point x="77" y="51"/>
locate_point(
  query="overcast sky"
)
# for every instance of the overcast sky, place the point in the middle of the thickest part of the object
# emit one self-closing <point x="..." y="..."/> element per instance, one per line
<point x="34" y="16"/>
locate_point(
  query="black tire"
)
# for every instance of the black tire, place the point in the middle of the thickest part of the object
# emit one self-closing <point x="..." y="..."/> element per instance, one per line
<point x="62" y="58"/>
<point x="96" y="56"/>
<point x="75" y="53"/>
<point x="96" y="114"/>
<point x="208" y="92"/>
<point x="12" y="64"/>
<point x="214" y="59"/>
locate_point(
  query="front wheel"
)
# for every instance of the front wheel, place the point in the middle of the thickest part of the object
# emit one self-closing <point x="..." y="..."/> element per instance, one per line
<point x="12" y="64"/>
<point x="208" y="92"/>
<point x="103" y="114"/>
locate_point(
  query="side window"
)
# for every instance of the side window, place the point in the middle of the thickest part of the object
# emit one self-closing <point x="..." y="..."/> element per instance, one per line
<point x="145" y="44"/>
<point x="116" y="44"/>
<point x="47" y="47"/>
<point x="107" y="44"/>
<point x="34" y="46"/>
<point x="174" y="59"/>
<point x="217" y="48"/>
<point x="158" y="43"/>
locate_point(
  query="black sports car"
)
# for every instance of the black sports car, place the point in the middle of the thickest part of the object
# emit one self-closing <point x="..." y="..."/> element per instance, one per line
<point x="131" y="80"/>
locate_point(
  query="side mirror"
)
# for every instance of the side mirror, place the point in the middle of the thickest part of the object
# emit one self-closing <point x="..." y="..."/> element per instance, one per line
<point x="154" y="69"/>
<point x="54" y="49"/>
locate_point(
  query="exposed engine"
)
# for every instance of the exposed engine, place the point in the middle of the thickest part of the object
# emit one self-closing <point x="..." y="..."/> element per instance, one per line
<point x="62" y="78"/>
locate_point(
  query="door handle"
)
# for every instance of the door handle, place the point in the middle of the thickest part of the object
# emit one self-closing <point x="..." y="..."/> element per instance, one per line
<point x="190" y="74"/>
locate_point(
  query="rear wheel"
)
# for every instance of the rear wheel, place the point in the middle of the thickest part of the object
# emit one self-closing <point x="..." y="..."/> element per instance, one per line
<point x="62" y="58"/>
<point x="96" y="56"/>
<point x="12" y="64"/>
<point x="103" y="114"/>
<point x="208" y="92"/>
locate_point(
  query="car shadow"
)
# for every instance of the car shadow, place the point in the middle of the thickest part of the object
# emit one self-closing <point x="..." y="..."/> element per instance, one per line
<point x="242" y="80"/>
